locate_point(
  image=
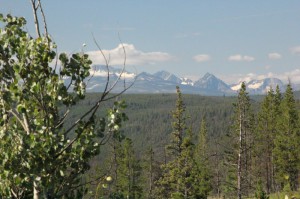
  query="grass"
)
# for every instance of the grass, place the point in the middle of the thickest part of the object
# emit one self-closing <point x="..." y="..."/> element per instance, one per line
<point x="295" y="195"/>
<point x="280" y="195"/>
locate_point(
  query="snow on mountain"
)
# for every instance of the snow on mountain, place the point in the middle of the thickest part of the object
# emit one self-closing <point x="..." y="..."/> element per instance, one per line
<point x="186" y="81"/>
<point x="255" y="84"/>
<point x="264" y="85"/>
<point x="236" y="87"/>
<point x="260" y="86"/>
<point x="165" y="82"/>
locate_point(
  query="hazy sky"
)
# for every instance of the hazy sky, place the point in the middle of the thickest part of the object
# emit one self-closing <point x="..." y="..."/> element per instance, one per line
<point x="232" y="39"/>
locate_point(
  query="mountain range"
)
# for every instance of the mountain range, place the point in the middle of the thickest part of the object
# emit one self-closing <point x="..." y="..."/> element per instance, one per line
<point x="166" y="82"/>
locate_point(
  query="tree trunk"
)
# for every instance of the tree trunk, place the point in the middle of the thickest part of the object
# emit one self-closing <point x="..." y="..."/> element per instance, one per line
<point x="35" y="191"/>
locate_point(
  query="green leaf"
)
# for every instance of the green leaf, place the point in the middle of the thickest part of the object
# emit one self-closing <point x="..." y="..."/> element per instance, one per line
<point x="21" y="108"/>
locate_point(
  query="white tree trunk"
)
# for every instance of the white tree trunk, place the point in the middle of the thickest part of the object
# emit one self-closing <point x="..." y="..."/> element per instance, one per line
<point x="35" y="191"/>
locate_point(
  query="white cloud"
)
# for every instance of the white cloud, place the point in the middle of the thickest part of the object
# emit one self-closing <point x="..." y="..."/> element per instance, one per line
<point x="202" y="58"/>
<point x="134" y="57"/>
<point x="274" y="56"/>
<point x="239" y="57"/>
<point x="296" y="50"/>
<point x="293" y="76"/>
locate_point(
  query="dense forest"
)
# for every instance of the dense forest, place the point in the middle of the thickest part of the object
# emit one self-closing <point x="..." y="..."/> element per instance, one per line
<point x="263" y="131"/>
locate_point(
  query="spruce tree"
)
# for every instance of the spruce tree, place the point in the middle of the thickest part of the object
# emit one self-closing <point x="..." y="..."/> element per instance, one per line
<point x="180" y="177"/>
<point x="130" y="171"/>
<point x="125" y="171"/>
<point x="202" y="160"/>
<point x="151" y="172"/>
<point x="264" y="145"/>
<point x="286" y="151"/>
<point x="239" y="159"/>
<point x="179" y="126"/>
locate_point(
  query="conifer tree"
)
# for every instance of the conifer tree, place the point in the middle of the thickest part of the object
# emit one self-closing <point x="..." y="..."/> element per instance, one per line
<point x="242" y="142"/>
<point x="125" y="171"/>
<point x="179" y="126"/>
<point x="169" y="182"/>
<point x="130" y="171"/>
<point x="202" y="160"/>
<point x="266" y="130"/>
<point x="286" y="151"/>
<point x="180" y="176"/>
<point x="151" y="172"/>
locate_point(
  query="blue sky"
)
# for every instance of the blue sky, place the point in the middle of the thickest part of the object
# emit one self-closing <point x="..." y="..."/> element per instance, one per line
<point x="235" y="40"/>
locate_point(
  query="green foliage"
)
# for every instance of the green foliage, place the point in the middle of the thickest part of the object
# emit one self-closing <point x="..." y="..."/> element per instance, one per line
<point x="183" y="177"/>
<point x="239" y="155"/>
<point x="203" y="163"/>
<point x="38" y="151"/>
<point x="286" y="144"/>
<point x="147" y="111"/>
<point x="266" y="130"/>
<point x="179" y="126"/>
<point x="124" y="171"/>
<point x="260" y="193"/>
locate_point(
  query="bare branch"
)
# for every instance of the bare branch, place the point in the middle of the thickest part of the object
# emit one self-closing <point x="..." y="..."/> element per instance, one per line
<point x="61" y="121"/>
<point x="92" y="111"/>
<point x="105" y="140"/>
<point x="93" y="180"/>
<point x="25" y="117"/>
<point x="106" y="64"/>
<point x="19" y="119"/>
<point x="122" y="71"/>
<point x="44" y="20"/>
<point x="36" y="20"/>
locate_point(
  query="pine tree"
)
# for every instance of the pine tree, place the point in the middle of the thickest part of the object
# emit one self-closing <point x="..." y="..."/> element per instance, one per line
<point x="170" y="181"/>
<point x="179" y="126"/>
<point x="130" y="171"/>
<point x="242" y="143"/>
<point x="125" y="170"/>
<point x="264" y="145"/>
<point x="286" y="151"/>
<point x="180" y="177"/>
<point x="202" y="160"/>
<point x="151" y="173"/>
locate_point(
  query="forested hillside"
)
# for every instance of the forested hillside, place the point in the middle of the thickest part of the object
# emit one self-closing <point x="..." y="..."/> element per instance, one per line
<point x="150" y="117"/>
<point x="149" y="128"/>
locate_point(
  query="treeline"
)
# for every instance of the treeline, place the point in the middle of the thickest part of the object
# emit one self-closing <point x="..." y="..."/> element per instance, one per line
<point x="237" y="147"/>
<point x="150" y="118"/>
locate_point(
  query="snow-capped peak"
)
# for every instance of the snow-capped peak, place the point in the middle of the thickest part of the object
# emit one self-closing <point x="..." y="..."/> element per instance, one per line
<point x="260" y="86"/>
<point x="186" y="81"/>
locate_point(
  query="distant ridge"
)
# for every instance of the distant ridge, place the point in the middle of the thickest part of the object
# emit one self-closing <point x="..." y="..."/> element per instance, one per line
<point x="166" y="82"/>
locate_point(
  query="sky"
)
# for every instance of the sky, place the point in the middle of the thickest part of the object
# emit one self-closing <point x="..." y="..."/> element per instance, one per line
<point x="234" y="40"/>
